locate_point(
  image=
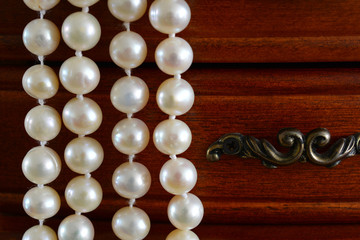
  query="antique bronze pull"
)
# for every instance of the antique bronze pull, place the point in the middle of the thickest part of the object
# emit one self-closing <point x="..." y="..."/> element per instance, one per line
<point x="301" y="148"/>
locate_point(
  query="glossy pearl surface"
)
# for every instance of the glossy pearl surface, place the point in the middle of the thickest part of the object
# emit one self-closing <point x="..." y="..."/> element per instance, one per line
<point x="128" y="49"/>
<point x="41" y="165"/>
<point x="39" y="233"/>
<point x="175" y="96"/>
<point x="130" y="136"/>
<point x="43" y="123"/>
<point x="81" y="31"/>
<point x="38" y="5"/>
<point x="185" y="212"/>
<point x="41" y="37"/>
<point x="76" y="227"/>
<point x="83" y="194"/>
<point x="83" y="3"/>
<point x="174" y="55"/>
<point x="131" y="180"/>
<point x="131" y="223"/>
<point x="129" y="94"/>
<point x="79" y="75"/>
<point x="172" y="136"/>
<point x="169" y="16"/>
<point x="178" y="176"/>
<point x="127" y="10"/>
<point x="40" y="82"/>
<point x="82" y="116"/>
<point x="41" y="202"/>
<point x="178" y="234"/>
<point x="84" y="155"/>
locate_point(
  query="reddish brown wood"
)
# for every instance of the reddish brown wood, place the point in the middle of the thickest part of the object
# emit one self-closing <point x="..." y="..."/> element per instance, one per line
<point x="241" y="191"/>
<point x="246" y="187"/>
<point x="225" y="31"/>
<point x="208" y="232"/>
<point x="233" y="210"/>
<point x="219" y="80"/>
<point x="254" y="99"/>
<point x="217" y="50"/>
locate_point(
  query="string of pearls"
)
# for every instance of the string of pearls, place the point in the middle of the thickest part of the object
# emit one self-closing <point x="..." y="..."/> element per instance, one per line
<point x="81" y="115"/>
<point x="175" y="97"/>
<point x="41" y="165"/>
<point x="130" y="136"/>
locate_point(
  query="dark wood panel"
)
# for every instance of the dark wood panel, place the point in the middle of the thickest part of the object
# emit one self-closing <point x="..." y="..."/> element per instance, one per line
<point x="254" y="99"/>
<point x="260" y="116"/>
<point x="206" y="232"/>
<point x="242" y="182"/>
<point x="232" y="210"/>
<point x="222" y="31"/>
<point x="219" y="80"/>
<point x="218" y="50"/>
<point x="225" y="18"/>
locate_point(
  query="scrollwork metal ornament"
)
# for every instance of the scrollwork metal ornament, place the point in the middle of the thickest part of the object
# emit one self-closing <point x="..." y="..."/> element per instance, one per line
<point x="301" y="148"/>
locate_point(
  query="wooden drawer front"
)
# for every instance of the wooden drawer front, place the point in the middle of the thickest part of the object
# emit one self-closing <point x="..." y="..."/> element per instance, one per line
<point x="259" y="66"/>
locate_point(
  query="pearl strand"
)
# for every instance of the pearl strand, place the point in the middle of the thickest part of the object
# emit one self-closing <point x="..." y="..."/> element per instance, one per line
<point x="175" y="97"/>
<point x="41" y="165"/>
<point x="81" y="115"/>
<point x="130" y="136"/>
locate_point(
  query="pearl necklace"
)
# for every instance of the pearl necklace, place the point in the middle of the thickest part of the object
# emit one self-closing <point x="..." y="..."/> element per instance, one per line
<point x="41" y="165"/>
<point x="175" y="97"/>
<point x="81" y="115"/>
<point x="130" y="136"/>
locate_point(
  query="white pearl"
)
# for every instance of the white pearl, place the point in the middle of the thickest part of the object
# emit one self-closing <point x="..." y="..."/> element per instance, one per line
<point x="41" y="165"/>
<point x="131" y="180"/>
<point x="41" y="202"/>
<point x="172" y="136"/>
<point x="43" y="123"/>
<point x="79" y="75"/>
<point x="130" y="136"/>
<point x="41" y="37"/>
<point x="128" y="49"/>
<point x="178" y="176"/>
<point x="83" y="3"/>
<point x="38" y="5"/>
<point x="131" y="223"/>
<point x="40" y="82"/>
<point x="83" y="194"/>
<point x="84" y="155"/>
<point x="82" y="116"/>
<point x="169" y="16"/>
<point x="175" y="96"/>
<point x="76" y="227"/>
<point x="178" y="234"/>
<point x="129" y="94"/>
<point x="127" y="10"/>
<point x="81" y="31"/>
<point x="39" y="233"/>
<point x="185" y="213"/>
<point x="174" y="56"/>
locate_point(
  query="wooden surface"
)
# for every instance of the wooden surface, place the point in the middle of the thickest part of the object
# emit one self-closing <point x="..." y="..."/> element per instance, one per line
<point x="222" y="31"/>
<point x="254" y="73"/>
<point x="216" y="232"/>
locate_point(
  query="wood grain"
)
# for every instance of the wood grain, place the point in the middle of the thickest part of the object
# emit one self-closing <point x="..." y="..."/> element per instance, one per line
<point x="221" y="31"/>
<point x="254" y="101"/>
<point x="259" y="66"/>
<point x="218" y="80"/>
<point x="208" y="232"/>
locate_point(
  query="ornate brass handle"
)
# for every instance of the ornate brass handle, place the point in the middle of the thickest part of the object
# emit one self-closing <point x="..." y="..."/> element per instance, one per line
<point x="301" y="148"/>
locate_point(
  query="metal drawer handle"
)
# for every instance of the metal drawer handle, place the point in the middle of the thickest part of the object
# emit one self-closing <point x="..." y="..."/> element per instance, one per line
<point x="301" y="148"/>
